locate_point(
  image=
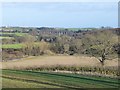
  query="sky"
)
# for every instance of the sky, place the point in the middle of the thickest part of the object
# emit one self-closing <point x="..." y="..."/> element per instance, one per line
<point x="60" y="14"/>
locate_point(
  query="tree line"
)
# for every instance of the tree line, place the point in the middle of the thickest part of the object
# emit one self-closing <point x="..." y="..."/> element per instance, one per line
<point x="100" y="44"/>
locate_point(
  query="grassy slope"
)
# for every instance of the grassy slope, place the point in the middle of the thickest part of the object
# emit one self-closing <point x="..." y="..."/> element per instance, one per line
<point x="20" y="79"/>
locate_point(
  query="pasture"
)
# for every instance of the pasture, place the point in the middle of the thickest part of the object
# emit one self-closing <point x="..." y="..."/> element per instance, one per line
<point x="6" y="37"/>
<point x="60" y="61"/>
<point x="19" y="45"/>
<point x="14" y="46"/>
<point x="32" y="79"/>
<point x="16" y="33"/>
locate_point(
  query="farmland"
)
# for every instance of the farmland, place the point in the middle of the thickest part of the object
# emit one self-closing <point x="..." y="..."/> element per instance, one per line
<point x="60" y="45"/>
<point x="15" y="46"/>
<point x="25" y="79"/>
<point x="6" y="38"/>
<point x="18" y="45"/>
<point x="56" y="60"/>
<point x="59" y="58"/>
<point x="65" y="64"/>
<point x="17" y="34"/>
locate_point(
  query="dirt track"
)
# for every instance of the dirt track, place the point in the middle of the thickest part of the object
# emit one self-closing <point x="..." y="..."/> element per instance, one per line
<point x="56" y="60"/>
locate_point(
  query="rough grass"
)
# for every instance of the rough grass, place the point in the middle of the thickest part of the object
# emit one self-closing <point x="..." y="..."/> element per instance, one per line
<point x="36" y="61"/>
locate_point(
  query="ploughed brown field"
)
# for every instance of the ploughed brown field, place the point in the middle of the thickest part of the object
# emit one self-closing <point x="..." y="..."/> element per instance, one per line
<point x="56" y="60"/>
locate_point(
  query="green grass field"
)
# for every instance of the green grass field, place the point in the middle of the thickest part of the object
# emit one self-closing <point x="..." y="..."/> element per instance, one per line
<point x="32" y="79"/>
<point x="6" y="37"/>
<point x="17" y="34"/>
<point x="14" y="46"/>
<point x="18" y="45"/>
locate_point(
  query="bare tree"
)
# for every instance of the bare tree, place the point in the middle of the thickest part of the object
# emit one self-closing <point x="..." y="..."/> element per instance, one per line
<point x="100" y="45"/>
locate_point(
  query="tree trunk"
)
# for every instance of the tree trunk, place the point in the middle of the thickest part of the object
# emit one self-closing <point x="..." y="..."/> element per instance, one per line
<point x="103" y="57"/>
